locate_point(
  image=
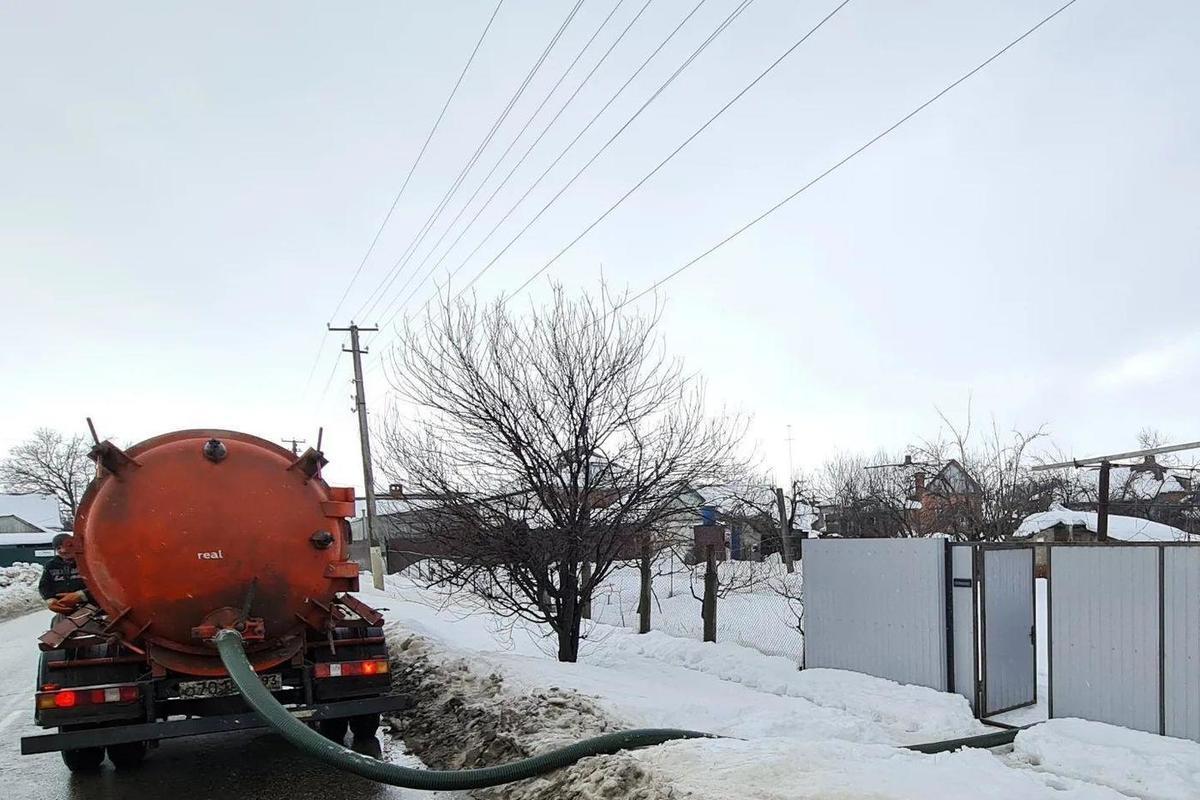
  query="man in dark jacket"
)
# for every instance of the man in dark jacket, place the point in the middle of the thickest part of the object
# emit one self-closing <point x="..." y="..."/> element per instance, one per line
<point x="61" y="585"/>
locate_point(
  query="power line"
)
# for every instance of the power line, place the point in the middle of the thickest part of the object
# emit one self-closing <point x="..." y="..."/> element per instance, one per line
<point x="329" y="380"/>
<point x="553" y="163"/>
<point x="854" y="153"/>
<point x="402" y="262"/>
<point x="695" y="53"/>
<point x="724" y="24"/>
<point x="504" y="181"/>
<point x="416" y="162"/>
<point x="770" y="68"/>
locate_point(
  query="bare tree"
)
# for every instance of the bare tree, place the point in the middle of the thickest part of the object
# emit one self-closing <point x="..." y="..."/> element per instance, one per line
<point x="50" y="463"/>
<point x="552" y="437"/>
<point x="1000" y="491"/>
<point x="867" y="496"/>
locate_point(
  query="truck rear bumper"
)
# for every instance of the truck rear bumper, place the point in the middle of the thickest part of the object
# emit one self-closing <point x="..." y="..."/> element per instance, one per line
<point x="178" y="728"/>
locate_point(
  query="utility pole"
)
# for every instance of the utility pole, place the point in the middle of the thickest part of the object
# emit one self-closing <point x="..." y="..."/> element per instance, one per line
<point x="295" y="443"/>
<point x="1102" y="505"/>
<point x="785" y="532"/>
<point x="360" y="406"/>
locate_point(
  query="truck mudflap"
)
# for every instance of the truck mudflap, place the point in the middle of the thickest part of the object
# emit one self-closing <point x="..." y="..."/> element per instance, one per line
<point x="199" y="726"/>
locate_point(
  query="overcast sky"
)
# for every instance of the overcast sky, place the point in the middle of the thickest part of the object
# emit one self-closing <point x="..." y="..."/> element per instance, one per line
<point x="188" y="188"/>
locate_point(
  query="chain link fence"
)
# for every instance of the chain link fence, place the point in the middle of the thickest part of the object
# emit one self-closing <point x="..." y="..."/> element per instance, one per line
<point x="758" y="603"/>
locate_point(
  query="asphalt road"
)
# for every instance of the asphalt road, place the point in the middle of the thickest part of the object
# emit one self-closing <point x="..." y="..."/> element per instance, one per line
<point x="244" y="766"/>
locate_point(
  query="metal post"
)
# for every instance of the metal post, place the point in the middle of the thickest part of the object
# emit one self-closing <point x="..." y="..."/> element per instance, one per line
<point x="785" y="533"/>
<point x="1102" y="507"/>
<point x="709" y="607"/>
<point x="360" y="406"/>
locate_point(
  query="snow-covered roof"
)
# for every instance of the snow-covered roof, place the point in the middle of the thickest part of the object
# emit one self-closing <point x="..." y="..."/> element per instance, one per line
<point x="1141" y="484"/>
<point x="1125" y="529"/>
<point x="44" y="537"/>
<point x="36" y="509"/>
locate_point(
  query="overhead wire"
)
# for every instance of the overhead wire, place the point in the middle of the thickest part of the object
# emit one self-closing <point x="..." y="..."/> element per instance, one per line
<point x="419" y="237"/>
<point x="420" y="154"/>
<point x="729" y="104"/>
<point x="407" y="178"/>
<point x="724" y="24"/>
<point x="772" y="209"/>
<point x="504" y="181"/>
<point x="552" y="164"/>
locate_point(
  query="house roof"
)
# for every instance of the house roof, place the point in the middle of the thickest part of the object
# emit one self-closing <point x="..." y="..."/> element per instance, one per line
<point x="39" y="510"/>
<point x="955" y="478"/>
<point x="1125" y="529"/>
<point x="43" y="537"/>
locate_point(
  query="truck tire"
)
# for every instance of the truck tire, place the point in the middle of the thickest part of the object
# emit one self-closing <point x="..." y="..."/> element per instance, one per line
<point x="127" y="755"/>
<point x="364" y="726"/>
<point x="333" y="729"/>
<point x="87" y="759"/>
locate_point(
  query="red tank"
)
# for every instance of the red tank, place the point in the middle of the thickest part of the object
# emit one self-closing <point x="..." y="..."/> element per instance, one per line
<point x="200" y="529"/>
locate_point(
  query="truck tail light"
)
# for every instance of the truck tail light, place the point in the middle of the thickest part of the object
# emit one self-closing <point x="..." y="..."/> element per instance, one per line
<point x="347" y="669"/>
<point x="88" y="696"/>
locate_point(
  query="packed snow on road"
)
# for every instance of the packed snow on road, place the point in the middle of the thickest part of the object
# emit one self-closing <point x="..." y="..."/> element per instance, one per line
<point x="488" y="686"/>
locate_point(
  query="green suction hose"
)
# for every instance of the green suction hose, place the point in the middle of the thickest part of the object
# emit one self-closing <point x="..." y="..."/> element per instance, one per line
<point x="229" y="645"/>
<point x="233" y="656"/>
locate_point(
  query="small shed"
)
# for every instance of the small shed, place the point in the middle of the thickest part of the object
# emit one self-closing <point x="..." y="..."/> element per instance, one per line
<point x="1062" y="524"/>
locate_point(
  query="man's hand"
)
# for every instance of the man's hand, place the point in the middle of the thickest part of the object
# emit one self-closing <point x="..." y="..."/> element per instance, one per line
<point x="66" y="602"/>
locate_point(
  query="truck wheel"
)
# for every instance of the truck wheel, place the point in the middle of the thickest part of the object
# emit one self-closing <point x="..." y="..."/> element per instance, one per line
<point x="334" y="729"/>
<point x="364" y="726"/>
<point x="87" y="759"/>
<point x="127" y="755"/>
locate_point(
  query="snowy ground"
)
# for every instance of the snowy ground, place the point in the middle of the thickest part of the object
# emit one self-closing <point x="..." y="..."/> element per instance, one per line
<point x="799" y="734"/>
<point x="18" y="590"/>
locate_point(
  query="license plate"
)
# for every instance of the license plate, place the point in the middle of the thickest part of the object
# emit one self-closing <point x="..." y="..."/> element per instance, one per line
<point x="223" y="687"/>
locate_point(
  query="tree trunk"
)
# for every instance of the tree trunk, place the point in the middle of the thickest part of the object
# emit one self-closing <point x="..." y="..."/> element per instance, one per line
<point x="645" y="584"/>
<point x="585" y="592"/>
<point x="568" y="611"/>
<point x="709" y="608"/>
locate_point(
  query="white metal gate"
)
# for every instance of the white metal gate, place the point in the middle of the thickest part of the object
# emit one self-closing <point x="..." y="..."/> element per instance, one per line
<point x="954" y="617"/>
<point x="1008" y="644"/>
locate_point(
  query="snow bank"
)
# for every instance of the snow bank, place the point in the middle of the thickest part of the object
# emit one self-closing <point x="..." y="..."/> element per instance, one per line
<point x="895" y="713"/>
<point x="18" y="590"/>
<point x="1131" y="762"/>
<point x="462" y="718"/>
<point x="774" y="769"/>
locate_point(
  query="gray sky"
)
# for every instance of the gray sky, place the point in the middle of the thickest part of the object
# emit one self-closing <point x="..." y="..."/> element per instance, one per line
<point x="188" y="188"/>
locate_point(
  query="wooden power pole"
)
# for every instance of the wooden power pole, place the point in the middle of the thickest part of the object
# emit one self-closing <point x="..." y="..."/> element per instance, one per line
<point x="785" y="530"/>
<point x="360" y="406"/>
<point x="295" y="443"/>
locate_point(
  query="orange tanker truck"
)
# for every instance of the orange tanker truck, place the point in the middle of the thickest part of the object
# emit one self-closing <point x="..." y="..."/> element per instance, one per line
<point x="181" y="537"/>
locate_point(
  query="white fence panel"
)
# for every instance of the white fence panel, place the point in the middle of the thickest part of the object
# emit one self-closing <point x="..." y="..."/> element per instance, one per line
<point x="877" y="606"/>
<point x="1104" y="634"/>
<point x="1181" y="641"/>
